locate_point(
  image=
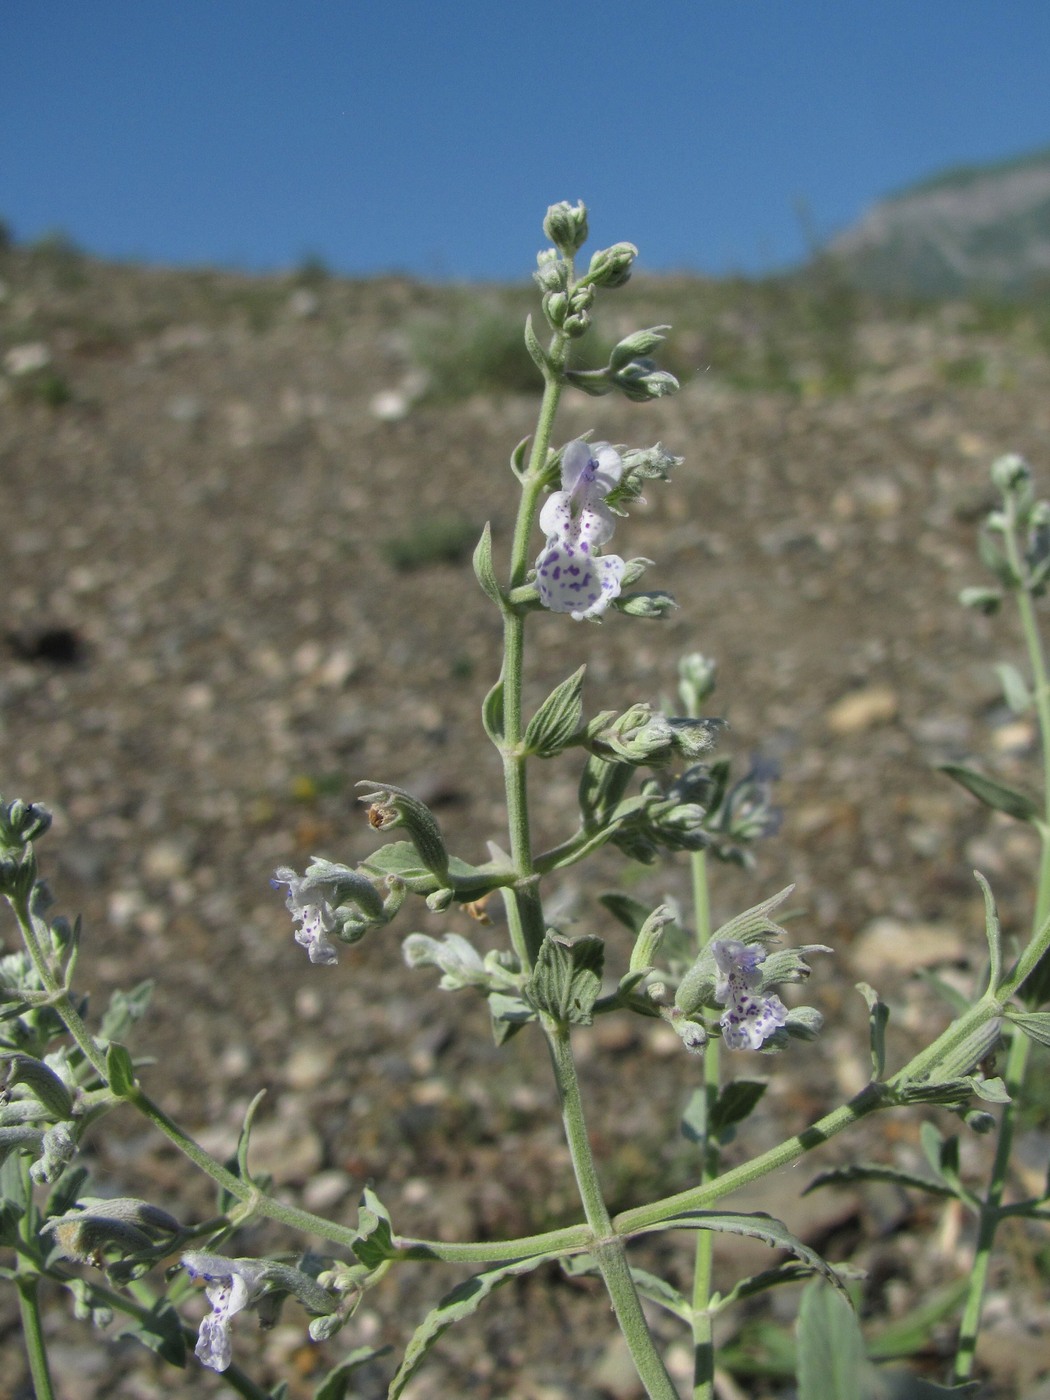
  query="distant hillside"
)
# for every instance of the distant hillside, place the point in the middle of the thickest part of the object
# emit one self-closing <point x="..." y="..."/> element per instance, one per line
<point x="971" y="228"/>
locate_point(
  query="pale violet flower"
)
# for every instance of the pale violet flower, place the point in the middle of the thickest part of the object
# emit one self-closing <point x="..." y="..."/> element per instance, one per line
<point x="571" y="576"/>
<point x="231" y="1284"/>
<point x="750" y="1017"/>
<point x="312" y="912"/>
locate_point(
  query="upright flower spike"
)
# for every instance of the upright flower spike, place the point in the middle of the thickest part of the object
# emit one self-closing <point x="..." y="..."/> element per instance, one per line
<point x="750" y="1017"/>
<point x="570" y="575"/>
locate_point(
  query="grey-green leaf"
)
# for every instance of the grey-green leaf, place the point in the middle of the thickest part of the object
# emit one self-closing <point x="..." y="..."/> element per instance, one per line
<point x="483" y="568"/>
<point x="567" y="977"/>
<point x="993" y="793"/>
<point x="557" y="721"/>
<point x="736" y="1101"/>
<point x="756" y="1226"/>
<point x="848" y="1176"/>
<point x="831" y="1360"/>
<point x="1035" y="1024"/>
<point x="1015" y="688"/>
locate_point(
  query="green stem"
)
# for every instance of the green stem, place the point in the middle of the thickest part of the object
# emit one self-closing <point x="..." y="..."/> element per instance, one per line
<point x="703" y="1266"/>
<point x="527" y="920"/>
<point x="991" y="1212"/>
<point x="27" y="1282"/>
<point x="608" y="1248"/>
<point x="33" y="1335"/>
<point x="991" y="1209"/>
<point x="649" y="1217"/>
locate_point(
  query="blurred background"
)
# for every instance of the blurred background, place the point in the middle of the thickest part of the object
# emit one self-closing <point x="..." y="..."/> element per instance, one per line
<point x="263" y="275"/>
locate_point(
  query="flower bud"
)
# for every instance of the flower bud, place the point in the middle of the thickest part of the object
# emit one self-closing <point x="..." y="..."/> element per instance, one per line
<point x="611" y="267"/>
<point x="1010" y="473"/>
<point x="552" y="273"/>
<point x="566" y="226"/>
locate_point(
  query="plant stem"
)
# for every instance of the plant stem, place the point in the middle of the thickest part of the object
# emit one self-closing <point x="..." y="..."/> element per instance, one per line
<point x="526" y="921"/>
<point x="1017" y="1060"/>
<point x="990" y="1212"/>
<point x="608" y="1249"/>
<point x="703" y="1267"/>
<point x="33" y="1335"/>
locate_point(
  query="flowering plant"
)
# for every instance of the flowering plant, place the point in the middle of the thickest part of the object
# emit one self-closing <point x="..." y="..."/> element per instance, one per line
<point x="650" y="785"/>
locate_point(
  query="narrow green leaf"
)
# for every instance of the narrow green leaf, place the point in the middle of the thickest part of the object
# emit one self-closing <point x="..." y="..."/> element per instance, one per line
<point x="878" y="1015"/>
<point x="791" y="1272"/>
<point x="861" y="1171"/>
<point x="536" y="350"/>
<point x="694" y="1119"/>
<point x="492" y="713"/>
<point x="557" y="721"/>
<point x="245" y="1135"/>
<point x="831" y="1360"/>
<point x="483" y="568"/>
<point x="632" y="913"/>
<point x="992" y="932"/>
<point x="1015" y="688"/>
<point x="756" y="1226"/>
<point x="120" y="1071"/>
<point x="460" y="1303"/>
<point x="992" y="793"/>
<point x="567" y="977"/>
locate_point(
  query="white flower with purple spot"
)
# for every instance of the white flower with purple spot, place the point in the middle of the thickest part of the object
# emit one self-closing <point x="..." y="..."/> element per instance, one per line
<point x="750" y="1017"/>
<point x="312" y="912"/>
<point x="571" y="576"/>
<point x="231" y="1284"/>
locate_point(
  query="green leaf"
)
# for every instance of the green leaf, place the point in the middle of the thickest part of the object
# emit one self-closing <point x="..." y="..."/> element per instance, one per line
<point x="791" y="1272"/>
<point x="557" y="721"/>
<point x="874" y="1171"/>
<point x="124" y="1009"/>
<point x="736" y="1101"/>
<point x="992" y="793"/>
<point x="536" y="350"/>
<point x="509" y="1013"/>
<point x="993" y="933"/>
<point x="567" y="977"/>
<point x="245" y="1136"/>
<point x="483" y="568"/>
<point x="758" y="1226"/>
<point x="1015" y="688"/>
<point x="831" y="1360"/>
<point x="120" y="1071"/>
<point x="492" y="713"/>
<point x="694" y="1119"/>
<point x="375" y="1236"/>
<point x="1035" y="1024"/>
<point x="632" y="913"/>
<point x="460" y="1303"/>
<point x="878" y="1015"/>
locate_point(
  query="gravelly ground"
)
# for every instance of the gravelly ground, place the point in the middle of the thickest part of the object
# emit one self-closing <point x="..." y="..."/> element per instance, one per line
<point x="209" y="513"/>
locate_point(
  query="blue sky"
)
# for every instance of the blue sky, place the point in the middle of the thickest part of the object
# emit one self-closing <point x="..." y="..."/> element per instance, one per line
<point x="429" y="137"/>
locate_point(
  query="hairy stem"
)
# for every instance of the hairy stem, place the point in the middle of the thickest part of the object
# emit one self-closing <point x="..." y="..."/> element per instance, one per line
<point x="608" y="1249"/>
